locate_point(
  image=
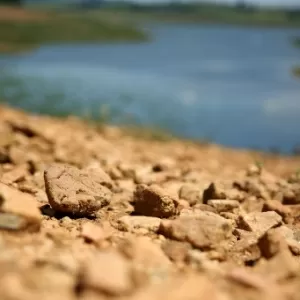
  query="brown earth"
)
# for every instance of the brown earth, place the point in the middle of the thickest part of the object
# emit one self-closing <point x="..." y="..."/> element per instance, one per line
<point x="18" y="14"/>
<point x="91" y="212"/>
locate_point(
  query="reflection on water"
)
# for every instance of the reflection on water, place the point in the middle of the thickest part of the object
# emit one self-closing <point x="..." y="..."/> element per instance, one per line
<point x="228" y="84"/>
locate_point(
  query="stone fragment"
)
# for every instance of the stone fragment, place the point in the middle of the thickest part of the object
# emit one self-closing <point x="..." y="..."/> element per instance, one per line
<point x="18" y="210"/>
<point x="164" y="164"/>
<point x="73" y="191"/>
<point x="223" y="205"/>
<point x="259" y="222"/>
<point x="176" y="251"/>
<point x="108" y="273"/>
<point x="17" y="174"/>
<point x="271" y="243"/>
<point x="219" y="191"/>
<point x="133" y="223"/>
<point x="281" y="266"/>
<point x="278" y="207"/>
<point x="213" y="192"/>
<point x="148" y="259"/>
<point x="205" y="231"/>
<point x="92" y="232"/>
<point x="99" y="175"/>
<point x="245" y="249"/>
<point x="152" y="201"/>
<point x="249" y="279"/>
<point x="191" y="193"/>
<point x="190" y="286"/>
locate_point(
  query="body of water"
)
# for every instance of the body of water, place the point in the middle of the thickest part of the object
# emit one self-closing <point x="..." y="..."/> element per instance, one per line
<point x="228" y="84"/>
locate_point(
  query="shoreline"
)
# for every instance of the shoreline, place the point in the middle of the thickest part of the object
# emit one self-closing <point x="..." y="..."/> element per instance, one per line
<point x="127" y="218"/>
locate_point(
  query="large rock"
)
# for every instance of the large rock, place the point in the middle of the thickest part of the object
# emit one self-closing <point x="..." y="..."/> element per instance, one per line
<point x="74" y="191"/>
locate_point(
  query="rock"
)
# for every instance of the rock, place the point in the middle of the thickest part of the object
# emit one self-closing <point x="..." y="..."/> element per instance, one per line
<point x="99" y="175"/>
<point x="223" y="205"/>
<point x="245" y="249"/>
<point x="195" y="211"/>
<point x="148" y="259"/>
<point x="164" y="164"/>
<point x="282" y="266"/>
<point x="108" y="273"/>
<point x="271" y="243"/>
<point x="73" y="191"/>
<point x="133" y="223"/>
<point x="92" y="232"/>
<point x="205" y="231"/>
<point x="282" y="210"/>
<point x="17" y="174"/>
<point x="190" y="287"/>
<point x="253" y="170"/>
<point x="217" y="191"/>
<point x="248" y="279"/>
<point x="213" y="192"/>
<point x="176" y="251"/>
<point x="191" y="193"/>
<point x="200" y="261"/>
<point x="19" y="211"/>
<point x="292" y="195"/>
<point x="259" y="222"/>
<point x="152" y="201"/>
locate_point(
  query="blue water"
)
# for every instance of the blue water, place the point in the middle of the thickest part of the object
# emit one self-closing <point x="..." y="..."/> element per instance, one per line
<point x="228" y="84"/>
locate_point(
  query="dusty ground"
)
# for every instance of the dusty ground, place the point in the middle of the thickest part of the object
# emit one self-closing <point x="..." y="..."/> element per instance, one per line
<point x="89" y="213"/>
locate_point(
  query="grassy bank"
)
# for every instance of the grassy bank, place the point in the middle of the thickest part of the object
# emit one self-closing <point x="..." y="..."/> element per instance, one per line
<point x="22" y="29"/>
<point x="203" y="13"/>
<point x="296" y="70"/>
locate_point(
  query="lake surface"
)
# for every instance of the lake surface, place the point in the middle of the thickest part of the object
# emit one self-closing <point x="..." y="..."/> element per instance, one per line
<point x="227" y="84"/>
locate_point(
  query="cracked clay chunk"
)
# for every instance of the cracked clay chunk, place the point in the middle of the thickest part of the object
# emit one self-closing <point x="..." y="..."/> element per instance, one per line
<point x="73" y="191"/>
<point x="259" y="222"/>
<point x="18" y="211"/>
<point x="207" y="230"/>
<point x="152" y="201"/>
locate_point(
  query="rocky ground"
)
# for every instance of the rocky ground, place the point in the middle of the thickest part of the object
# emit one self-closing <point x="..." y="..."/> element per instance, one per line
<point x="94" y="213"/>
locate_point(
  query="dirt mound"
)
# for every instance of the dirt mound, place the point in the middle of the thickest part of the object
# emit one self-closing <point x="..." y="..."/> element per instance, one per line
<point x="89" y="212"/>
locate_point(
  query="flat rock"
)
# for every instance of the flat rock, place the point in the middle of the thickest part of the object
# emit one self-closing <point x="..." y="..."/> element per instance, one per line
<point x="204" y="231"/>
<point x="18" y="211"/>
<point x="133" y="223"/>
<point x="73" y="191"/>
<point x="153" y="201"/>
<point x="95" y="233"/>
<point x="223" y="205"/>
<point x="16" y="174"/>
<point x="147" y="257"/>
<point x="278" y="207"/>
<point x="259" y="222"/>
<point x="108" y="273"/>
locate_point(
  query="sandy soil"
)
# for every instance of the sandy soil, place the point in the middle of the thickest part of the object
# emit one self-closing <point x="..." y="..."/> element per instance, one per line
<point x="94" y="213"/>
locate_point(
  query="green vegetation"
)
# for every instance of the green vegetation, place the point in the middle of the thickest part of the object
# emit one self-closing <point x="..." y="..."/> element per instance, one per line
<point x="239" y="14"/>
<point x="21" y="31"/>
<point x="296" y="70"/>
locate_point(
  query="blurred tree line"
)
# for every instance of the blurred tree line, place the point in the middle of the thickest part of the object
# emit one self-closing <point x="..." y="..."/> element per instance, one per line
<point x="11" y="2"/>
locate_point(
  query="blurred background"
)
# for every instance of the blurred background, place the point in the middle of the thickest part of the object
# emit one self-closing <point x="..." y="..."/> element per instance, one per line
<point x="222" y="71"/>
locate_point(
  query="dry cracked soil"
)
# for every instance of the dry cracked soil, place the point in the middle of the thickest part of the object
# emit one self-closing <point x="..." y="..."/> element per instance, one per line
<point x="89" y="212"/>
